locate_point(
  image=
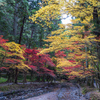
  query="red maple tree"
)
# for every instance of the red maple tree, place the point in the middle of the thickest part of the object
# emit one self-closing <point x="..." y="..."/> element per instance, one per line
<point x="39" y="62"/>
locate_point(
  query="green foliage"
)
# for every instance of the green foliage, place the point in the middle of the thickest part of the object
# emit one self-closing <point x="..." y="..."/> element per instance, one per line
<point x="4" y="88"/>
<point x="2" y="80"/>
<point x="11" y="18"/>
<point x="87" y="89"/>
<point x="84" y="91"/>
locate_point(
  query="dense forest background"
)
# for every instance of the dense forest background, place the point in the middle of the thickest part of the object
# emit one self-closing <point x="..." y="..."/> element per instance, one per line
<point x="70" y="53"/>
<point x="16" y="26"/>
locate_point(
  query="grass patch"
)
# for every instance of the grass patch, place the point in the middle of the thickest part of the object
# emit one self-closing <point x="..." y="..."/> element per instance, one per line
<point x="88" y="89"/>
<point x="84" y="91"/>
<point x="2" y="80"/>
<point x="4" y="88"/>
<point x="12" y="87"/>
<point x="9" y="87"/>
<point x="15" y="87"/>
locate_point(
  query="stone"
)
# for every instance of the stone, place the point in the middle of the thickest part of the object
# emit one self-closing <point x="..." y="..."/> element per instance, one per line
<point x="2" y="98"/>
<point x="1" y="94"/>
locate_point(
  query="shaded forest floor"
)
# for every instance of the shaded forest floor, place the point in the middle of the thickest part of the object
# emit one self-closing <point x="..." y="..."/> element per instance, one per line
<point x="38" y="90"/>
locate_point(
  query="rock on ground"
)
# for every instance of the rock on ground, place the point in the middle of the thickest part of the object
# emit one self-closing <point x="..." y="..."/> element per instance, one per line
<point x="66" y="92"/>
<point x="47" y="96"/>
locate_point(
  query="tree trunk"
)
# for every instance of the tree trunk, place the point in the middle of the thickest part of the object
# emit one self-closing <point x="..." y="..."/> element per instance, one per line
<point x="15" y="20"/>
<point x="38" y="78"/>
<point x="40" y="40"/>
<point x="92" y="81"/>
<point x="87" y="81"/>
<point x="21" y="32"/>
<point x="16" y="75"/>
<point x="9" y="77"/>
<point x="31" y="75"/>
<point x="95" y="16"/>
<point x="43" y="78"/>
<point x="86" y="60"/>
<point x="13" y="75"/>
<point x="31" y="38"/>
<point x="24" y="77"/>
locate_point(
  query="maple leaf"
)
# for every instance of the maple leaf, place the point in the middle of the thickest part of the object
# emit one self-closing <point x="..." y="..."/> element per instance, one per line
<point x="36" y="62"/>
<point x="12" y="61"/>
<point x="2" y="40"/>
<point x="60" y="54"/>
<point x="47" y="71"/>
<point x="33" y="67"/>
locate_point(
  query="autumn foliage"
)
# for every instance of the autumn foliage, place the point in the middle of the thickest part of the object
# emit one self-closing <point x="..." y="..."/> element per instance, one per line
<point x="38" y="63"/>
<point x="76" y="48"/>
<point x="13" y="55"/>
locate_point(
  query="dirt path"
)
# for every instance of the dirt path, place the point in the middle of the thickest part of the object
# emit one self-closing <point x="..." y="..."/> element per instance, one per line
<point x="66" y="92"/>
<point x="47" y="96"/>
<point x="41" y="91"/>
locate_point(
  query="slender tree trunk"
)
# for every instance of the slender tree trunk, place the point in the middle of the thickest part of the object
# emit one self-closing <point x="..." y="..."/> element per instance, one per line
<point x="9" y="76"/>
<point x="24" y="77"/>
<point x="31" y="75"/>
<point x="43" y="78"/>
<point x="16" y="75"/>
<point x="95" y="16"/>
<point x="13" y="75"/>
<point x="40" y="40"/>
<point x="21" y="32"/>
<point x="86" y="60"/>
<point x="92" y="81"/>
<point x="15" y="20"/>
<point x="31" y="38"/>
<point x="38" y="78"/>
